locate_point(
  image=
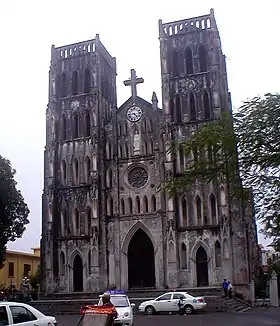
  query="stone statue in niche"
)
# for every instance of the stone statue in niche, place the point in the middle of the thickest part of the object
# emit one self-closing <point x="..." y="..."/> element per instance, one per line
<point x="136" y="142"/>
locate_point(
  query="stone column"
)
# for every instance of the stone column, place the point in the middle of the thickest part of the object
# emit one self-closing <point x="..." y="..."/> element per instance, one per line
<point x="252" y="293"/>
<point x="273" y="291"/>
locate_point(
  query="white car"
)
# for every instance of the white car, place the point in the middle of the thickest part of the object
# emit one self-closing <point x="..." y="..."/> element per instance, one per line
<point x="168" y="302"/>
<point x="12" y="313"/>
<point x="123" y="307"/>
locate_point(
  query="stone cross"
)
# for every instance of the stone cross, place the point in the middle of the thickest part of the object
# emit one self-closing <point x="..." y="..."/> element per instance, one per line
<point x="132" y="82"/>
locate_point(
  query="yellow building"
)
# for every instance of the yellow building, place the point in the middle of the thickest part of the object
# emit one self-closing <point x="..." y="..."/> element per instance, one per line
<point x="17" y="265"/>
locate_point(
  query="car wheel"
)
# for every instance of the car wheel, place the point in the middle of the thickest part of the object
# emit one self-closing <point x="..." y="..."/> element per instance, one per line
<point x="188" y="309"/>
<point x="150" y="310"/>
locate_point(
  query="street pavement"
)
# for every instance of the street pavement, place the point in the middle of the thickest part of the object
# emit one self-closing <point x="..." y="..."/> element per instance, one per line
<point x="255" y="317"/>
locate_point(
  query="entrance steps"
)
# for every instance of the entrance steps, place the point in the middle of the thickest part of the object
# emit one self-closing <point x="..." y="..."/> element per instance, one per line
<point x="70" y="303"/>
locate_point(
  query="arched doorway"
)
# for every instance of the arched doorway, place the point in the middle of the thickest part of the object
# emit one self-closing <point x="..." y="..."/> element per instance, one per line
<point x="78" y="274"/>
<point x="202" y="267"/>
<point x="141" y="261"/>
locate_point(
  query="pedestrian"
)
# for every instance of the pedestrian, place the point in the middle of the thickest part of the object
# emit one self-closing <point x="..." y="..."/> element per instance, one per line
<point x="225" y="288"/>
<point x="229" y="290"/>
<point x="106" y="302"/>
<point x="181" y="306"/>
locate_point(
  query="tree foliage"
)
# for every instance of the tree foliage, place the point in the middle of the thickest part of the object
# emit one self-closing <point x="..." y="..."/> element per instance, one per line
<point x="254" y="132"/>
<point x="13" y="210"/>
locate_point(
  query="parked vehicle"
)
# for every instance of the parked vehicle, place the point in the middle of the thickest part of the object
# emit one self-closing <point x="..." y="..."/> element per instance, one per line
<point x="168" y="302"/>
<point x="20" y="313"/>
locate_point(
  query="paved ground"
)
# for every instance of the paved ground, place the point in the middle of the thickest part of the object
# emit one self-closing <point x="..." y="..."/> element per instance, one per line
<point x="255" y="317"/>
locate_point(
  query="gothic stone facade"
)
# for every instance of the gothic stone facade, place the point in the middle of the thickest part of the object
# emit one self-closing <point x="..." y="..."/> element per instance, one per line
<point x="104" y="222"/>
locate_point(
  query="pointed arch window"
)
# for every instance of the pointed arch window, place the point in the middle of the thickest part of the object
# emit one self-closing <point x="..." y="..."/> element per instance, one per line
<point x="138" y="207"/>
<point x="189" y="61"/>
<point x="64" y="223"/>
<point x="63" y="85"/>
<point x="110" y="178"/>
<point x="122" y="207"/>
<point x="144" y="125"/>
<point x="62" y="263"/>
<point x="76" y="171"/>
<point x="178" y="108"/>
<point x="202" y="58"/>
<point x="88" y="221"/>
<point x="183" y="256"/>
<point x="75" y="82"/>
<point x="64" y="172"/>
<point x="151" y="147"/>
<point x="175" y="63"/>
<point x="126" y="150"/>
<point x="206" y="106"/>
<point x="76" y="222"/>
<point x="87" y="123"/>
<point x="145" y="148"/>
<point x="218" y="254"/>
<point x="130" y="206"/>
<point x="111" y="206"/>
<point x="182" y="158"/>
<point x="192" y="108"/>
<point x="64" y="128"/>
<point x="145" y="205"/>
<point x="153" y="204"/>
<point x="213" y="208"/>
<point x="87" y="169"/>
<point x="184" y="212"/>
<point x="150" y="125"/>
<point x="87" y="81"/>
<point x="198" y="205"/>
<point x="125" y="128"/>
<point x="75" y="125"/>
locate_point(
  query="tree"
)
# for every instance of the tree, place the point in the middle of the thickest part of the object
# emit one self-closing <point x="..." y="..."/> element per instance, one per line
<point x="13" y="210"/>
<point x="35" y="279"/>
<point x="254" y="133"/>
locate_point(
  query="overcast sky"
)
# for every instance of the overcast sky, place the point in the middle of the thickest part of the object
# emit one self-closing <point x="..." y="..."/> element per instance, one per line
<point x="129" y="30"/>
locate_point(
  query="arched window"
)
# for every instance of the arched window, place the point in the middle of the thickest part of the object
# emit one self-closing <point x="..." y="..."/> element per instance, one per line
<point x="175" y="61"/>
<point x="213" y="208"/>
<point x="198" y="205"/>
<point x="75" y="125"/>
<point x="183" y="256"/>
<point x="76" y="171"/>
<point x="126" y="150"/>
<point x="87" y="124"/>
<point x="144" y="125"/>
<point x="178" y="109"/>
<point x="138" y="208"/>
<point x="87" y="81"/>
<point x="153" y="204"/>
<point x="76" y="222"/>
<point x="64" y="172"/>
<point x="89" y="262"/>
<point x="88" y="221"/>
<point x="192" y="108"/>
<point x="151" y="147"/>
<point x="87" y="169"/>
<point x="64" y="128"/>
<point x="218" y="254"/>
<point x="184" y="211"/>
<point x="145" y="205"/>
<point x="150" y="128"/>
<point x="189" y="61"/>
<point x="206" y="106"/>
<point x="182" y="158"/>
<point x="202" y="58"/>
<point x="110" y="178"/>
<point x="62" y="263"/>
<point x="145" y="148"/>
<point x="64" y="223"/>
<point x="63" y="85"/>
<point x="75" y="82"/>
<point x="130" y="206"/>
<point x="111" y="206"/>
<point x="122" y="207"/>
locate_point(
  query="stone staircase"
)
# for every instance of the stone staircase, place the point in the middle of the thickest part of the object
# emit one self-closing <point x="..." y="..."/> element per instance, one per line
<point x="70" y="303"/>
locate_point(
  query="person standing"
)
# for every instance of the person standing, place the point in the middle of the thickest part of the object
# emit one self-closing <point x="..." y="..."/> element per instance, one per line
<point x="229" y="290"/>
<point x="181" y="306"/>
<point x="106" y="302"/>
<point x="225" y="288"/>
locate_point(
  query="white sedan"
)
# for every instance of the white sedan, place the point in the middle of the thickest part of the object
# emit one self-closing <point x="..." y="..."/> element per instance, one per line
<point x="12" y="313"/>
<point x="168" y="302"/>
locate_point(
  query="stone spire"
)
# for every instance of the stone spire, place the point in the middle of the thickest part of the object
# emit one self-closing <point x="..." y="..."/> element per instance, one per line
<point x="154" y="101"/>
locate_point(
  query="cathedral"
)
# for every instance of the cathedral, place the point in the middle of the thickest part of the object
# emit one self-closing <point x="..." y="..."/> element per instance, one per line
<point x="105" y="223"/>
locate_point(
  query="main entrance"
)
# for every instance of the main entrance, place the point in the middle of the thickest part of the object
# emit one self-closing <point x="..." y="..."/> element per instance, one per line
<point x="202" y="267"/>
<point x="78" y="274"/>
<point x="141" y="261"/>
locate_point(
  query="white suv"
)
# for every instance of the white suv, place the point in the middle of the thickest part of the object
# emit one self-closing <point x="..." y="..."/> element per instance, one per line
<point x="123" y="307"/>
<point x="168" y="302"/>
<point x="12" y="313"/>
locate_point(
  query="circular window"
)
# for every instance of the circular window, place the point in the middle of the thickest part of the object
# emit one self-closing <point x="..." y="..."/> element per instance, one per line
<point x="137" y="177"/>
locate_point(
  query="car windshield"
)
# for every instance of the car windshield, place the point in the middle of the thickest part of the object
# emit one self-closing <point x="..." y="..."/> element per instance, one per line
<point x="119" y="301"/>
